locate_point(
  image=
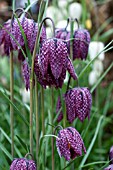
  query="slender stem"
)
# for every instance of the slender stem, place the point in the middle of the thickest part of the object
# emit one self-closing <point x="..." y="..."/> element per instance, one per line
<point x="43" y="125"/>
<point x="12" y="99"/>
<point x="37" y="122"/>
<point x="52" y="113"/>
<point x="42" y="107"/>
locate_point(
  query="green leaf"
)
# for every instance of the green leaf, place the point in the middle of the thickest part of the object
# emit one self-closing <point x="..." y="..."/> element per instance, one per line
<point x="16" y="109"/>
<point x="23" y="144"/>
<point x="6" y="151"/>
<point x="92" y="143"/>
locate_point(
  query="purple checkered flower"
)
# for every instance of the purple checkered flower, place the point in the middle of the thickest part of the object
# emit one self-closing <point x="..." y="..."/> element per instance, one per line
<point x="23" y="164"/>
<point x="30" y="30"/>
<point x="69" y="143"/>
<point x="110" y="167"/>
<point x="78" y="103"/>
<point x="58" y="109"/>
<point x="53" y="62"/>
<point x="26" y="74"/>
<point x="80" y="44"/>
<point x="5" y="37"/>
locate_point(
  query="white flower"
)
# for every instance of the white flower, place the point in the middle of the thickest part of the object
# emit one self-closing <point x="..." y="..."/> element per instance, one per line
<point x="53" y="13"/>
<point x="62" y="4"/>
<point x="94" y="48"/>
<point x="98" y="66"/>
<point x="75" y="10"/>
<point x="25" y="95"/>
<point x="93" y="77"/>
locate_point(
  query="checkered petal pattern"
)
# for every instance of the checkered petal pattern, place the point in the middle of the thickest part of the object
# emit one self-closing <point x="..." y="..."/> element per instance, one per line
<point x="69" y="143"/>
<point x="53" y="62"/>
<point x="26" y="74"/>
<point x="5" y="37"/>
<point x="78" y="104"/>
<point x="23" y="164"/>
<point x="81" y="44"/>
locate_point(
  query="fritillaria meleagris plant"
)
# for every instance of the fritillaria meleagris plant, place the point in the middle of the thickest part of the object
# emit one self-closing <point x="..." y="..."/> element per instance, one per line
<point x="52" y="62"/>
<point x="23" y="164"/>
<point x="81" y="40"/>
<point x="69" y="143"/>
<point x="78" y="104"/>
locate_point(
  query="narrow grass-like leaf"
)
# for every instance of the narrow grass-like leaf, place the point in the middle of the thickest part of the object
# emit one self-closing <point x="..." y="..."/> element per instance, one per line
<point x="106" y="35"/>
<point x="6" y="151"/>
<point x="92" y="143"/>
<point x="25" y="40"/>
<point x="33" y="3"/>
<point x="13" y="5"/>
<point x="9" y="140"/>
<point x="23" y="144"/>
<point x="16" y="109"/>
<point x="100" y="79"/>
<point x="94" y="163"/>
<point x="105" y="49"/>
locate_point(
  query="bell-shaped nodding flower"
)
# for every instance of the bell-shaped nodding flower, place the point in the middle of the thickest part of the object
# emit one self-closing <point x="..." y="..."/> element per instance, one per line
<point x="23" y="163"/>
<point x="5" y="37"/>
<point x="30" y="29"/>
<point x="81" y="40"/>
<point x="80" y="44"/>
<point x="58" y="110"/>
<point x="110" y="167"/>
<point x="78" y="103"/>
<point x="26" y="74"/>
<point x="53" y="62"/>
<point x="69" y="143"/>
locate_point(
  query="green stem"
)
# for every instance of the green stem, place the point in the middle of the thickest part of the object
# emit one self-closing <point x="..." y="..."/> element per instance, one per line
<point x="52" y="112"/>
<point x="37" y="122"/>
<point x="12" y="99"/>
<point x="42" y="107"/>
<point x="43" y="125"/>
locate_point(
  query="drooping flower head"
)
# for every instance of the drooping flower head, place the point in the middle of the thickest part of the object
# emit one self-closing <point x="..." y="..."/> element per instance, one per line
<point x="81" y="40"/>
<point x="69" y="143"/>
<point x="53" y="62"/>
<point x="23" y="163"/>
<point x="30" y="29"/>
<point x="80" y="44"/>
<point x="5" y="37"/>
<point x="78" y="103"/>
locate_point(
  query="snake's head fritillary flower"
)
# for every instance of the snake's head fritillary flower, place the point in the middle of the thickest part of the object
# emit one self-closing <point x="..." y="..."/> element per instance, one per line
<point x="5" y="37"/>
<point x="111" y="155"/>
<point x="78" y="103"/>
<point x="58" y="110"/>
<point x="80" y="44"/>
<point x="23" y="163"/>
<point x="69" y="143"/>
<point x="110" y="167"/>
<point x="30" y="29"/>
<point x="26" y="74"/>
<point x="54" y="61"/>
